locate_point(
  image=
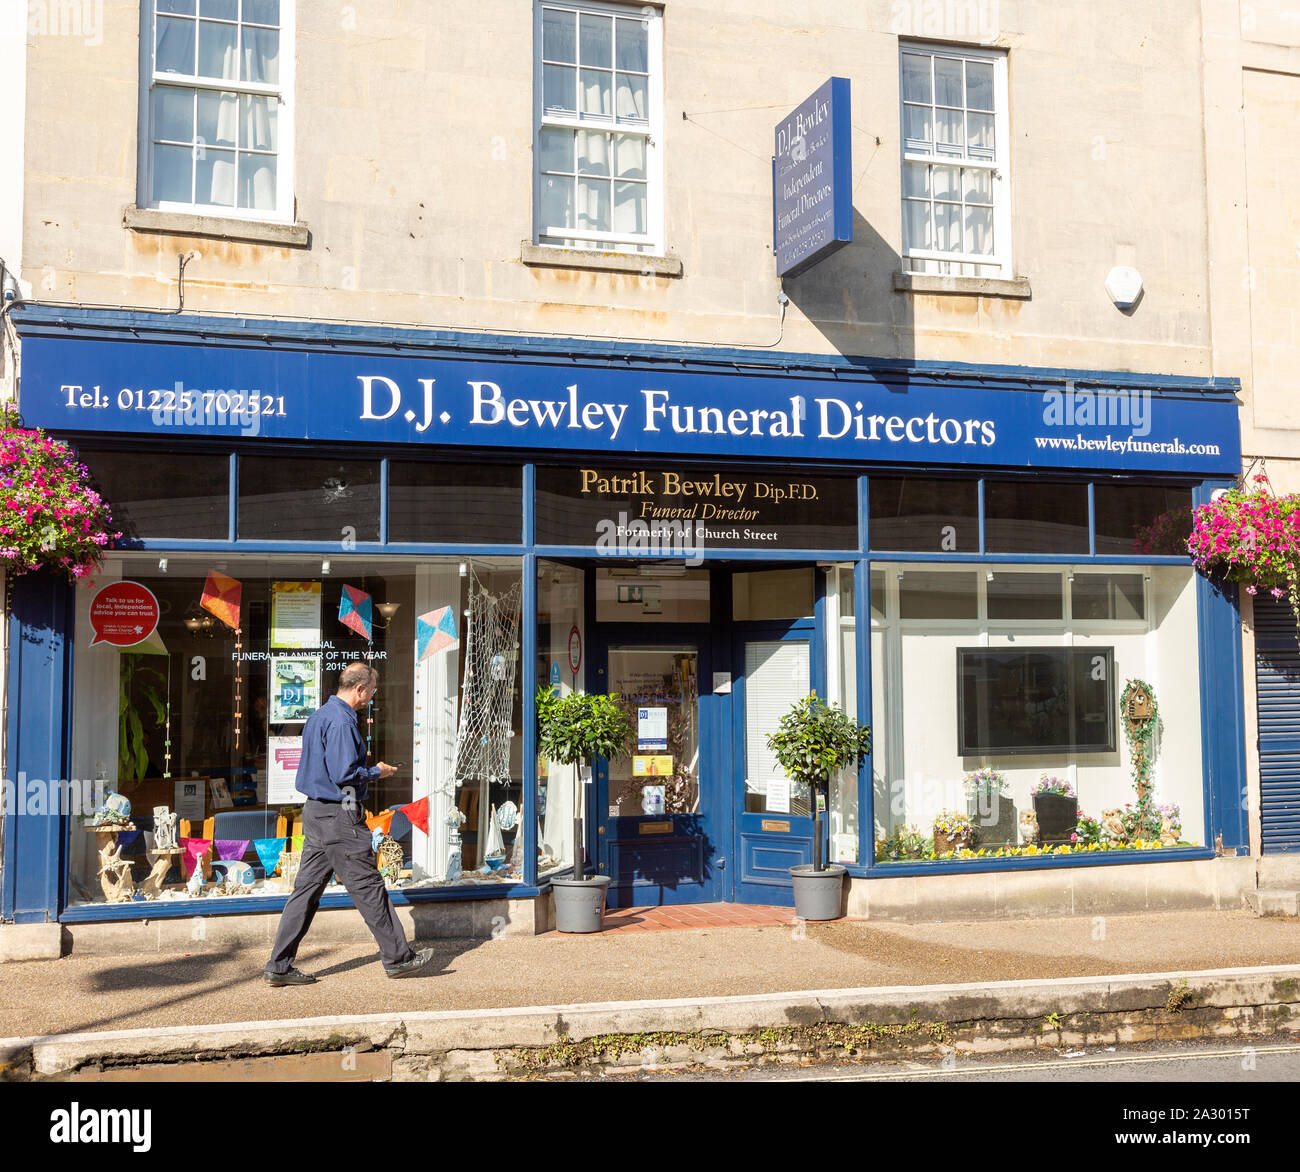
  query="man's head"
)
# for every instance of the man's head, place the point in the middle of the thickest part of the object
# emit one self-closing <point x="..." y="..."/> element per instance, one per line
<point x="358" y="682"/>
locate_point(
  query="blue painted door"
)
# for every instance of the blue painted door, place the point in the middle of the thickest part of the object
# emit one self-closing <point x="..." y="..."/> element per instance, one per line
<point x="658" y="809"/>
<point x="773" y="666"/>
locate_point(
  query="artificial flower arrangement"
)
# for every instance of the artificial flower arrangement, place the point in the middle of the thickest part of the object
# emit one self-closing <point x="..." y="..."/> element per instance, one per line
<point x="985" y="783"/>
<point x="1252" y="537"/>
<point x="49" y="514"/>
<point x="906" y="842"/>
<point x="952" y="832"/>
<point x="1052" y="785"/>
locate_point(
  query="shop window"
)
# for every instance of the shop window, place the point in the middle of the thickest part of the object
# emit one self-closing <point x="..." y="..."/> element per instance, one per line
<point x="1035" y="516"/>
<point x="1105" y="597"/>
<point x="561" y="662"/>
<point x="150" y="498"/>
<point x="471" y="504"/>
<point x="205" y="716"/>
<point x="1018" y="597"/>
<point x="772" y="594"/>
<point x="290" y="498"/>
<point x="217" y="106"/>
<point x="1142" y="519"/>
<point x="842" y="689"/>
<point x="931" y="594"/>
<point x="652" y="593"/>
<point x="918" y="515"/>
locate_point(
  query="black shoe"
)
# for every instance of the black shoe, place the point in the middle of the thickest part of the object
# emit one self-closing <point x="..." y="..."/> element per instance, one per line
<point x="292" y="977"/>
<point x="410" y="968"/>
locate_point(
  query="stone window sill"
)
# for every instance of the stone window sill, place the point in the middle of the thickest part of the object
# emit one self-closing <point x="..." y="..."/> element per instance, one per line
<point x="611" y="262"/>
<point x="970" y="286"/>
<point x="185" y="224"/>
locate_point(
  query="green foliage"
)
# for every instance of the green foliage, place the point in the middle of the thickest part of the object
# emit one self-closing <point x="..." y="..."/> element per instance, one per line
<point x="815" y="740"/>
<point x="580" y="727"/>
<point x="132" y="755"/>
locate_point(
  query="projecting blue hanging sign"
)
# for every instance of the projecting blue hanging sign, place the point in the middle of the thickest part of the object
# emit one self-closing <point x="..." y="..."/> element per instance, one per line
<point x="812" y="180"/>
<point x="175" y="391"/>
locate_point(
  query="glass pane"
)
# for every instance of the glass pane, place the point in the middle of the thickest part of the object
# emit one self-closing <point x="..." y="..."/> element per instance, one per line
<point x="945" y="181"/>
<point x="979" y="230"/>
<point x="878" y="595"/>
<point x="979" y="185"/>
<point x="630" y="208"/>
<point x="1025" y="596"/>
<point x="217" y="50"/>
<point x="173" y="174"/>
<point x="772" y="594"/>
<point x="184" y="6"/>
<point x="257" y="182"/>
<point x="477" y="504"/>
<point x="1108" y="596"/>
<point x="916" y="78"/>
<point x="174" y="46"/>
<point x="595" y="92"/>
<point x="926" y="594"/>
<point x="948" y="88"/>
<point x="629" y="156"/>
<point x="596" y="37"/>
<point x="916" y="224"/>
<point x="303" y="499"/>
<point x="631" y="93"/>
<point x="558" y="91"/>
<point x="257" y="123"/>
<point x="214" y="177"/>
<point x="555" y="150"/>
<point x="948" y="129"/>
<point x="980" y="142"/>
<point x="916" y="127"/>
<point x="557" y="202"/>
<point x="592" y="205"/>
<point x="218" y="117"/>
<point x="658" y="689"/>
<point x="848" y="602"/>
<point x="559" y="36"/>
<point x="776" y="675"/>
<point x="1038" y="517"/>
<point x="947" y="227"/>
<point x="219" y="9"/>
<point x="633" y="45"/>
<point x="1136" y="518"/>
<point x="593" y="152"/>
<point x="262" y="11"/>
<point x="173" y="114"/>
<point x="979" y="85"/>
<point x="178" y="497"/>
<point x="916" y="179"/>
<point x="926" y="516"/>
<point x="262" y="55"/>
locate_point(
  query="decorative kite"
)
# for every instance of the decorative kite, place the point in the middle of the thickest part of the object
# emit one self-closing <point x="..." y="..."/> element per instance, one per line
<point x="435" y="631"/>
<point x="221" y="596"/>
<point x="354" y="611"/>
<point x="417" y="814"/>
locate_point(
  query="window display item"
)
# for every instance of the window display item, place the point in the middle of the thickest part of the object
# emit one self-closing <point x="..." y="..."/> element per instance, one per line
<point x="290" y="861"/>
<point x="222" y="597"/>
<point x="161" y="860"/>
<point x="1028" y="828"/>
<point x="507" y="815"/>
<point x="164" y="829"/>
<point x="269" y="851"/>
<point x="435" y="631"/>
<point x="116" y="811"/>
<point x="355" y="611"/>
<point x="455" y="820"/>
<point x="114" y="871"/>
<point x="390" y="859"/>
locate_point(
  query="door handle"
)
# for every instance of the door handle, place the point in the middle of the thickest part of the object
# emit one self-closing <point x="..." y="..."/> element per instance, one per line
<point x="722" y="863"/>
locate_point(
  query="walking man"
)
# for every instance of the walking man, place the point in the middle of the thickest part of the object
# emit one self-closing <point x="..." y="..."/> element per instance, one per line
<point x="333" y="775"/>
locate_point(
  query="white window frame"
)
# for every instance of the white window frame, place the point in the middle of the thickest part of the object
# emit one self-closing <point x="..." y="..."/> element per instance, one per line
<point x="997" y="264"/>
<point x="547" y="235"/>
<point x="282" y="90"/>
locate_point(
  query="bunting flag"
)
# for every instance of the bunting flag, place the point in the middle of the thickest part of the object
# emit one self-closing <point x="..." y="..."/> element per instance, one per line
<point x="195" y="849"/>
<point x="435" y="631"/>
<point x="231" y="849"/>
<point x="297" y="843"/>
<point x="126" y="837"/>
<point x="221" y="597"/>
<point x="418" y="813"/>
<point x="354" y="610"/>
<point x="381" y="821"/>
<point x="268" y="851"/>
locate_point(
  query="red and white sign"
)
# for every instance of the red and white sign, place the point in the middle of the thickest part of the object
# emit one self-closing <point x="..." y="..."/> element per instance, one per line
<point x="123" y="614"/>
<point x="575" y="650"/>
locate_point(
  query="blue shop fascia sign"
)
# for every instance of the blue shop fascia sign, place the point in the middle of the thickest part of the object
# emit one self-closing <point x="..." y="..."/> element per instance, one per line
<point x="680" y="403"/>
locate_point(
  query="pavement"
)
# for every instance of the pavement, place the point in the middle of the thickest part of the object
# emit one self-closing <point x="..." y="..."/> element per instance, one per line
<point x="636" y="964"/>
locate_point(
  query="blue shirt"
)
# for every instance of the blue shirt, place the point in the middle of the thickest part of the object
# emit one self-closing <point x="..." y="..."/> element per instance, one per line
<point x="334" y="755"/>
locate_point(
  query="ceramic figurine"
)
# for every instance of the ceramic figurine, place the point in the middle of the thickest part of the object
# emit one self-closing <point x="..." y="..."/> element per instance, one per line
<point x="1113" y="825"/>
<point x="116" y="811"/>
<point x="1028" y="828"/>
<point x="164" y="829"/>
<point x="1168" y="835"/>
<point x="195" y="884"/>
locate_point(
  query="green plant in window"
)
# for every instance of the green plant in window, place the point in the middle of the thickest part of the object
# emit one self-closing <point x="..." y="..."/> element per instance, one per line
<point x="813" y="742"/>
<point x="136" y="684"/>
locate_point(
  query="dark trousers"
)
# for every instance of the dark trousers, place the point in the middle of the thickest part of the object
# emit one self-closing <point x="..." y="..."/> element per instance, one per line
<point x="336" y="839"/>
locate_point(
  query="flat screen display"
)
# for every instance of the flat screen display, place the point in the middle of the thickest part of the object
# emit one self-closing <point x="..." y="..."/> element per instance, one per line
<point x="1035" y="700"/>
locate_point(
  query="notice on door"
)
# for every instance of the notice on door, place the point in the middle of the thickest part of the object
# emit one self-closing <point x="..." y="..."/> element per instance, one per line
<point x="651" y="729"/>
<point x="778" y="796"/>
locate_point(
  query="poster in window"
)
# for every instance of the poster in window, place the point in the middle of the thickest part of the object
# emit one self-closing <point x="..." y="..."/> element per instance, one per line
<point x="282" y="758"/>
<point x="295" y="688"/>
<point x="295" y="614"/>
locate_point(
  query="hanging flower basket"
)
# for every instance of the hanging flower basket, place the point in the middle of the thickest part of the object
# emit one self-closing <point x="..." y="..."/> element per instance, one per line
<point x="49" y="514"/>
<point x="1253" y="537"/>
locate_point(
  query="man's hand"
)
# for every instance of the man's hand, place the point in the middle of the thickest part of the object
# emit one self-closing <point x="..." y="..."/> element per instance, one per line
<point x="385" y="770"/>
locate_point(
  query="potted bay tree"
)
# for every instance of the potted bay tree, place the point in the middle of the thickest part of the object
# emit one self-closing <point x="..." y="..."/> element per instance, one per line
<point x="573" y="730"/>
<point x="813" y="743"/>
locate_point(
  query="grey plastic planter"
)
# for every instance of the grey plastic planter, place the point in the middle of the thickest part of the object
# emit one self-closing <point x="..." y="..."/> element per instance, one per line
<point x="817" y="893"/>
<point x="579" y="903"/>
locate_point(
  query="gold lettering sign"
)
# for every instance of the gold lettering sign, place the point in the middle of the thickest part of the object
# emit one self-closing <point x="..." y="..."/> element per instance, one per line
<point x="655" y="828"/>
<point x="776" y="827"/>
